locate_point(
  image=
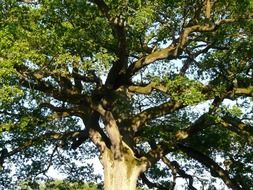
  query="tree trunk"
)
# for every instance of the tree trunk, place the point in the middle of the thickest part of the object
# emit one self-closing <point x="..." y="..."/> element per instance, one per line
<point x="121" y="173"/>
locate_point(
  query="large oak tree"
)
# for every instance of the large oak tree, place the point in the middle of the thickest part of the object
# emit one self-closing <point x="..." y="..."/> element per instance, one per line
<point x="147" y="82"/>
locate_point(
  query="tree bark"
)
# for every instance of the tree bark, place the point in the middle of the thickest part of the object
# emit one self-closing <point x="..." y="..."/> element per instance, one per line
<point x="121" y="173"/>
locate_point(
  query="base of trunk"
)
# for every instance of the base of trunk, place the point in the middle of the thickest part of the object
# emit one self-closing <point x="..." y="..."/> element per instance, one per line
<point x="121" y="173"/>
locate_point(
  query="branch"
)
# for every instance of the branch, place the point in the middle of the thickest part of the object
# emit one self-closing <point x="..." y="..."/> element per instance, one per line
<point x="244" y="91"/>
<point x="96" y="134"/>
<point x="79" y="139"/>
<point x="147" y="89"/>
<point x="146" y="60"/>
<point x="49" y="135"/>
<point x="158" y="151"/>
<point x="201" y="123"/>
<point x="89" y="77"/>
<point x="191" y="57"/>
<point x="207" y="8"/>
<point x="111" y="129"/>
<point x="103" y="7"/>
<point x="151" y="184"/>
<point x="171" y="51"/>
<point x="174" y="49"/>
<point x="63" y="111"/>
<point x="50" y="161"/>
<point x="138" y="121"/>
<point x="64" y="91"/>
<point x="61" y="95"/>
<point x="215" y="169"/>
<point x="231" y="123"/>
<point x="175" y="167"/>
<point x="119" y="66"/>
<point x="237" y="126"/>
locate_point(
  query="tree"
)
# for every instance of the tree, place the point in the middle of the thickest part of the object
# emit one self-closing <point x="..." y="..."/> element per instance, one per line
<point x="129" y="77"/>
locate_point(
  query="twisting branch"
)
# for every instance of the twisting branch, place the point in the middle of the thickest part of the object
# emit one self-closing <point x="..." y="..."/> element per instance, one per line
<point x="202" y="122"/>
<point x="147" y="89"/>
<point x="49" y="135"/>
<point x="175" y="168"/>
<point x="215" y="169"/>
<point x="174" y="49"/>
<point x="157" y="152"/>
<point x="64" y="91"/>
<point x="146" y="60"/>
<point x="140" y="119"/>
<point x="154" y="185"/>
<point x="118" y="25"/>
<point x="50" y="161"/>
<point x="191" y="57"/>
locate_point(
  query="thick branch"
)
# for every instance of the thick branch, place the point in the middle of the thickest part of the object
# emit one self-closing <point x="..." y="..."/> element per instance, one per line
<point x="204" y="121"/>
<point x="90" y="76"/>
<point x="175" y="48"/>
<point x="207" y="8"/>
<point x="64" y="91"/>
<point x="112" y="130"/>
<point x="147" y="89"/>
<point x="154" y="112"/>
<point x="118" y="26"/>
<point x="103" y="7"/>
<point x="244" y="91"/>
<point x="201" y="123"/>
<point x="79" y="139"/>
<point x="171" y="51"/>
<point x="96" y="138"/>
<point x="166" y="108"/>
<point x="146" y="60"/>
<point x="237" y="126"/>
<point x="61" y="95"/>
<point x="96" y="134"/>
<point x="192" y="55"/>
<point x="215" y="169"/>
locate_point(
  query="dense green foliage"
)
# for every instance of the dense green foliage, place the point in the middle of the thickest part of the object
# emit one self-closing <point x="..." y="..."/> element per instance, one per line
<point x="57" y="185"/>
<point x="175" y="76"/>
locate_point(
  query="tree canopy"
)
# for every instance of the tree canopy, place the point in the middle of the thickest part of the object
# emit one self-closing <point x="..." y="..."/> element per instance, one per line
<point x="159" y="90"/>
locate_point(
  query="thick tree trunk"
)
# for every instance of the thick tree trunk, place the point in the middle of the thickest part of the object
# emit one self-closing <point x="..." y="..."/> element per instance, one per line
<point x="121" y="173"/>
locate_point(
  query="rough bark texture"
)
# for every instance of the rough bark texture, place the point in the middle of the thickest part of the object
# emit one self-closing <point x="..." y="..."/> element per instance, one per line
<point x="121" y="174"/>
